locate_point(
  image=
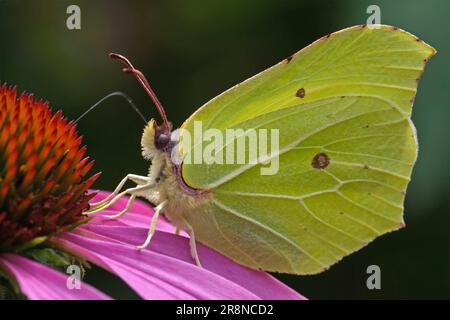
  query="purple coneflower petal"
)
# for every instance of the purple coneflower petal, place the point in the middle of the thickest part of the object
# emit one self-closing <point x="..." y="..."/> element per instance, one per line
<point x="140" y="214"/>
<point x="39" y="282"/>
<point x="151" y="274"/>
<point x="139" y="206"/>
<point x="132" y="219"/>
<point x="261" y="284"/>
<point x="166" y="271"/>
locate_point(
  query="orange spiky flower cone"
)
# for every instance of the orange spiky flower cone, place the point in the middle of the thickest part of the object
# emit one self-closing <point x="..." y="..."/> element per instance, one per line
<point x="43" y="184"/>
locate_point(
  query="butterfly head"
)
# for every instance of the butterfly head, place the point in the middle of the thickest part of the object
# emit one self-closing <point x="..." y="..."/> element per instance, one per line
<point x="156" y="139"/>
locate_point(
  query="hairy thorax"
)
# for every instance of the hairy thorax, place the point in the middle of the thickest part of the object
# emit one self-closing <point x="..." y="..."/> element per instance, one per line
<point x="180" y="203"/>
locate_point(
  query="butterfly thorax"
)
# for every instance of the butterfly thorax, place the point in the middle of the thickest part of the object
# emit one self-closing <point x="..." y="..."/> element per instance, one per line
<point x="169" y="184"/>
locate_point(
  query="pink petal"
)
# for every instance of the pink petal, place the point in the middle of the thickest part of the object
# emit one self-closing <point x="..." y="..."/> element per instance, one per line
<point x="39" y="282"/>
<point x="166" y="270"/>
<point x="140" y="214"/>
<point x="139" y="206"/>
<point x="259" y="283"/>
<point x="131" y="219"/>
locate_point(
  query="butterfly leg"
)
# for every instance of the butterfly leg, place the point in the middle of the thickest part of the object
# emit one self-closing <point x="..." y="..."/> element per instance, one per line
<point x="131" y="191"/>
<point x="152" y="229"/>
<point x="127" y="208"/>
<point x="139" y="180"/>
<point x="192" y="243"/>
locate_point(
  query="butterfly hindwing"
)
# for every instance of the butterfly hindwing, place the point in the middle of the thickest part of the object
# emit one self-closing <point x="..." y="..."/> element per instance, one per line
<point x="347" y="147"/>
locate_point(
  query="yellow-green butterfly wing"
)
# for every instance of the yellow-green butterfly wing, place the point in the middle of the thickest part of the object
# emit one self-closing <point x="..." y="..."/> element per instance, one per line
<point x="346" y="151"/>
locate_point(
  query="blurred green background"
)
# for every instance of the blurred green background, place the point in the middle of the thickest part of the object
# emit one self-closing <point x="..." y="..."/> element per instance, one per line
<point x="193" y="50"/>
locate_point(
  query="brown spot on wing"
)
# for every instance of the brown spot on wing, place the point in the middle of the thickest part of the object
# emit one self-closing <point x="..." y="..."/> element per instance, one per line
<point x="300" y="93"/>
<point x="320" y="161"/>
<point x="288" y="59"/>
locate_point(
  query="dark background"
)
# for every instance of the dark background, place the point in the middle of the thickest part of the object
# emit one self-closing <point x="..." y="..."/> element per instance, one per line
<point x="193" y="50"/>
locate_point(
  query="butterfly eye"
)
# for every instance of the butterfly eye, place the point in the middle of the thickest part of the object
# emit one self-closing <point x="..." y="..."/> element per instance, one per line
<point x="162" y="140"/>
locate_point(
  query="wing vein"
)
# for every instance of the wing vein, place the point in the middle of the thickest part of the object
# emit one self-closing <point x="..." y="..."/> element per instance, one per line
<point x="289" y="147"/>
<point x="361" y="165"/>
<point x="264" y="227"/>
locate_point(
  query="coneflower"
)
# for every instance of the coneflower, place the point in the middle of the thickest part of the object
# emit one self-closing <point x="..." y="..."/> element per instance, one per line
<point x="43" y="171"/>
<point x="44" y="191"/>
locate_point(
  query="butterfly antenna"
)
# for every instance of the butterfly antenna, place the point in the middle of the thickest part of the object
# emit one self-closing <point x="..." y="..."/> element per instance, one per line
<point x="117" y="93"/>
<point x="141" y="78"/>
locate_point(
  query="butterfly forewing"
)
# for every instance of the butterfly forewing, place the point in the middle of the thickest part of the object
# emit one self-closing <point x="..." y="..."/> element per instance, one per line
<point x="347" y="147"/>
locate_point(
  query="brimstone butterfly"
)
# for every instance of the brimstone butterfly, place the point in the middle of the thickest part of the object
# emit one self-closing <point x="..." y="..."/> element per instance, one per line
<point x="346" y="147"/>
